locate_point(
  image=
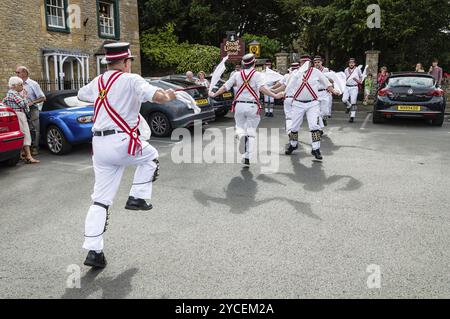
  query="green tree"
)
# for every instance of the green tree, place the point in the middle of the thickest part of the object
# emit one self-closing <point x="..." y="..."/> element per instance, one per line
<point x="164" y="52"/>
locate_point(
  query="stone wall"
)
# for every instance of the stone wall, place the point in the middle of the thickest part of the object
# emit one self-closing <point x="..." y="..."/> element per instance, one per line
<point x="23" y="35"/>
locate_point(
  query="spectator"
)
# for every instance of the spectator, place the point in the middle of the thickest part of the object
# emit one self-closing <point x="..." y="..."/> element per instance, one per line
<point x="436" y="72"/>
<point x="368" y="88"/>
<point x="202" y="79"/>
<point x="382" y="76"/>
<point x="19" y="104"/>
<point x="35" y="96"/>
<point x="419" y="68"/>
<point x="237" y="68"/>
<point x="190" y="76"/>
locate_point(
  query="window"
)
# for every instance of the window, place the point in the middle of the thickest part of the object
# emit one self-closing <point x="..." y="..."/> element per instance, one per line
<point x="55" y="12"/>
<point x="108" y="19"/>
<point x="101" y="68"/>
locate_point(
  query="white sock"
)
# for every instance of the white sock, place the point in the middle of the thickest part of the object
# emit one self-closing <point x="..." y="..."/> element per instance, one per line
<point x="98" y="251"/>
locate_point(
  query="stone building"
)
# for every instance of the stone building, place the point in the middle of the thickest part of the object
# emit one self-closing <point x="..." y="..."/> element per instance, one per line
<point x="61" y="41"/>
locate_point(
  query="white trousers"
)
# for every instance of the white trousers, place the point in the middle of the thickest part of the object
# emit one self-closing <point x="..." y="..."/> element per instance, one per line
<point x="110" y="160"/>
<point x="350" y="98"/>
<point x="247" y="121"/>
<point x="312" y="111"/>
<point x="269" y="101"/>
<point x="324" y="101"/>
<point x="287" y="114"/>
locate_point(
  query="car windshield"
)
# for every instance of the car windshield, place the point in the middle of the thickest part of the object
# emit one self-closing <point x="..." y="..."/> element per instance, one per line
<point x="73" y="101"/>
<point x="410" y="81"/>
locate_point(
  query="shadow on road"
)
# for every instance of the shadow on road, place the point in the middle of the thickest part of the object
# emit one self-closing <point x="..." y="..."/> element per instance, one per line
<point x="314" y="179"/>
<point x="240" y="196"/>
<point x="111" y="288"/>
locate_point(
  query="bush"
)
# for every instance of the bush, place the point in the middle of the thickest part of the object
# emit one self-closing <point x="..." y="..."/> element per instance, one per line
<point x="162" y="49"/>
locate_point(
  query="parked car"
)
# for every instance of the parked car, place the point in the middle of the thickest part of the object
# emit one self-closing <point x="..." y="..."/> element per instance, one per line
<point x="221" y="104"/>
<point x="410" y="95"/>
<point x="11" y="138"/>
<point x="65" y="121"/>
<point x="163" y="119"/>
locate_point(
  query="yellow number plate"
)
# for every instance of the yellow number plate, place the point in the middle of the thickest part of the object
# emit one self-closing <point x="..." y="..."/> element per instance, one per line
<point x="408" y="108"/>
<point x="202" y="102"/>
<point x="228" y="94"/>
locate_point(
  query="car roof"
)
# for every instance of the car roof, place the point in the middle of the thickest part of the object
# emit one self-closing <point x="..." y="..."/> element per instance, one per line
<point x="404" y="74"/>
<point x="56" y="94"/>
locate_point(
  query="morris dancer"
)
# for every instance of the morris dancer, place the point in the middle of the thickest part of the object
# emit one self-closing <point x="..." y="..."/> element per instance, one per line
<point x="350" y="98"/>
<point x="118" y="95"/>
<point x="247" y="103"/>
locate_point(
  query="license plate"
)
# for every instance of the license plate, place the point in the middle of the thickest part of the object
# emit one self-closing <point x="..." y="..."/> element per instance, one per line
<point x="228" y="94"/>
<point x="202" y="102"/>
<point x="408" y="108"/>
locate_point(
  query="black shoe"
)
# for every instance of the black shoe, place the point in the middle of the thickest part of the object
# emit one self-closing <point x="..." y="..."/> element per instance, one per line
<point x="352" y="119"/>
<point x="270" y="114"/>
<point x="246" y="161"/>
<point x="137" y="204"/>
<point x="316" y="154"/>
<point x="96" y="260"/>
<point x="267" y="114"/>
<point x="325" y="122"/>
<point x="347" y="110"/>
<point x="291" y="149"/>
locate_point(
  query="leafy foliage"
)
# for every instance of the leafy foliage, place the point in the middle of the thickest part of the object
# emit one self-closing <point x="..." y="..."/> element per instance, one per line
<point x="163" y="51"/>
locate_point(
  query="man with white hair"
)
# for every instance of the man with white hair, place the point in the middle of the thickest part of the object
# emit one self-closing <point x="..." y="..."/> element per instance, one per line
<point x="190" y="76"/>
<point x="34" y="96"/>
<point x="14" y="100"/>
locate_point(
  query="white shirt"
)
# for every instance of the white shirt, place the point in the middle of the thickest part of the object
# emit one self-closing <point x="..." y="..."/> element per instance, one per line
<point x="33" y="89"/>
<point x="324" y="70"/>
<point x="256" y="82"/>
<point x="316" y="81"/>
<point x="125" y="97"/>
<point x="358" y="75"/>
<point x="204" y="83"/>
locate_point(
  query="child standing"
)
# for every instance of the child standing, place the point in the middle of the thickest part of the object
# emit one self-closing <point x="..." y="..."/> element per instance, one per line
<point x="368" y="87"/>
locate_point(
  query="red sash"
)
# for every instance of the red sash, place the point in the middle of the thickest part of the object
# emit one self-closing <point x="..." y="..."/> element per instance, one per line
<point x="102" y="100"/>
<point x="305" y="84"/>
<point x="246" y="85"/>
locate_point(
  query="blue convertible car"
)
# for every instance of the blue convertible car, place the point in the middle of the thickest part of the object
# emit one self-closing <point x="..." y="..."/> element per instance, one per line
<point x="65" y="121"/>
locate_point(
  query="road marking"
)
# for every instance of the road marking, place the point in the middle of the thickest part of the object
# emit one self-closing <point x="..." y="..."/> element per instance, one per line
<point x="363" y="126"/>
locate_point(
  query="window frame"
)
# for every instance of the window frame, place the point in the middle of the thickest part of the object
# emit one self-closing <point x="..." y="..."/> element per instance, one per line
<point x="116" y="17"/>
<point x="66" y="28"/>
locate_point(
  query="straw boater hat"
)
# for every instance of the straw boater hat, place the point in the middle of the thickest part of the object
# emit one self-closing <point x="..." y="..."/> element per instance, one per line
<point x="352" y="60"/>
<point x="248" y="59"/>
<point x="305" y="57"/>
<point x="318" y="58"/>
<point x="295" y="65"/>
<point x="117" y="51"/>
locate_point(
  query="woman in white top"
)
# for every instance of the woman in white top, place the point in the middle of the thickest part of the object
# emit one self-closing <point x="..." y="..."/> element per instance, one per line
<point x="201" y="79"/>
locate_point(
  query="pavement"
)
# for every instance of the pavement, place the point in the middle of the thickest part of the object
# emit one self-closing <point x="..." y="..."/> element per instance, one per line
<point x="371" y="221"/>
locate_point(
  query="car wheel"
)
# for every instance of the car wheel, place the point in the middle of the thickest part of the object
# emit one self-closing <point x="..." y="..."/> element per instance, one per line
<point x="56" y="141"/>
<point x="221" y="113"/>
<point x="13" y="161"/>
<point x="159" y="124"/>
<point x="377" y="118"/>
<point x="438" y="121"/>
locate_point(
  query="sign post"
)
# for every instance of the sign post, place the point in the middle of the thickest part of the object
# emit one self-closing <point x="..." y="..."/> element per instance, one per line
<point x="232" y="46"/>
<point x="255" y="48"/>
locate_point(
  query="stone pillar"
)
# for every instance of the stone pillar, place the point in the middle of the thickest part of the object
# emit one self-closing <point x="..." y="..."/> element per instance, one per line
<point x="282" y="62"/>
<point x="372" y="59"/>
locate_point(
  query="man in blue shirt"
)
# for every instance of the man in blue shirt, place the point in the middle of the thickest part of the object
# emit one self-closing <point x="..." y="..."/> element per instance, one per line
<point x="35" y="96"/>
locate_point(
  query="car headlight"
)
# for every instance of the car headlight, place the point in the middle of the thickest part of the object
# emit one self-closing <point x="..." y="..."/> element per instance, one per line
<point x="84" y="119"/>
